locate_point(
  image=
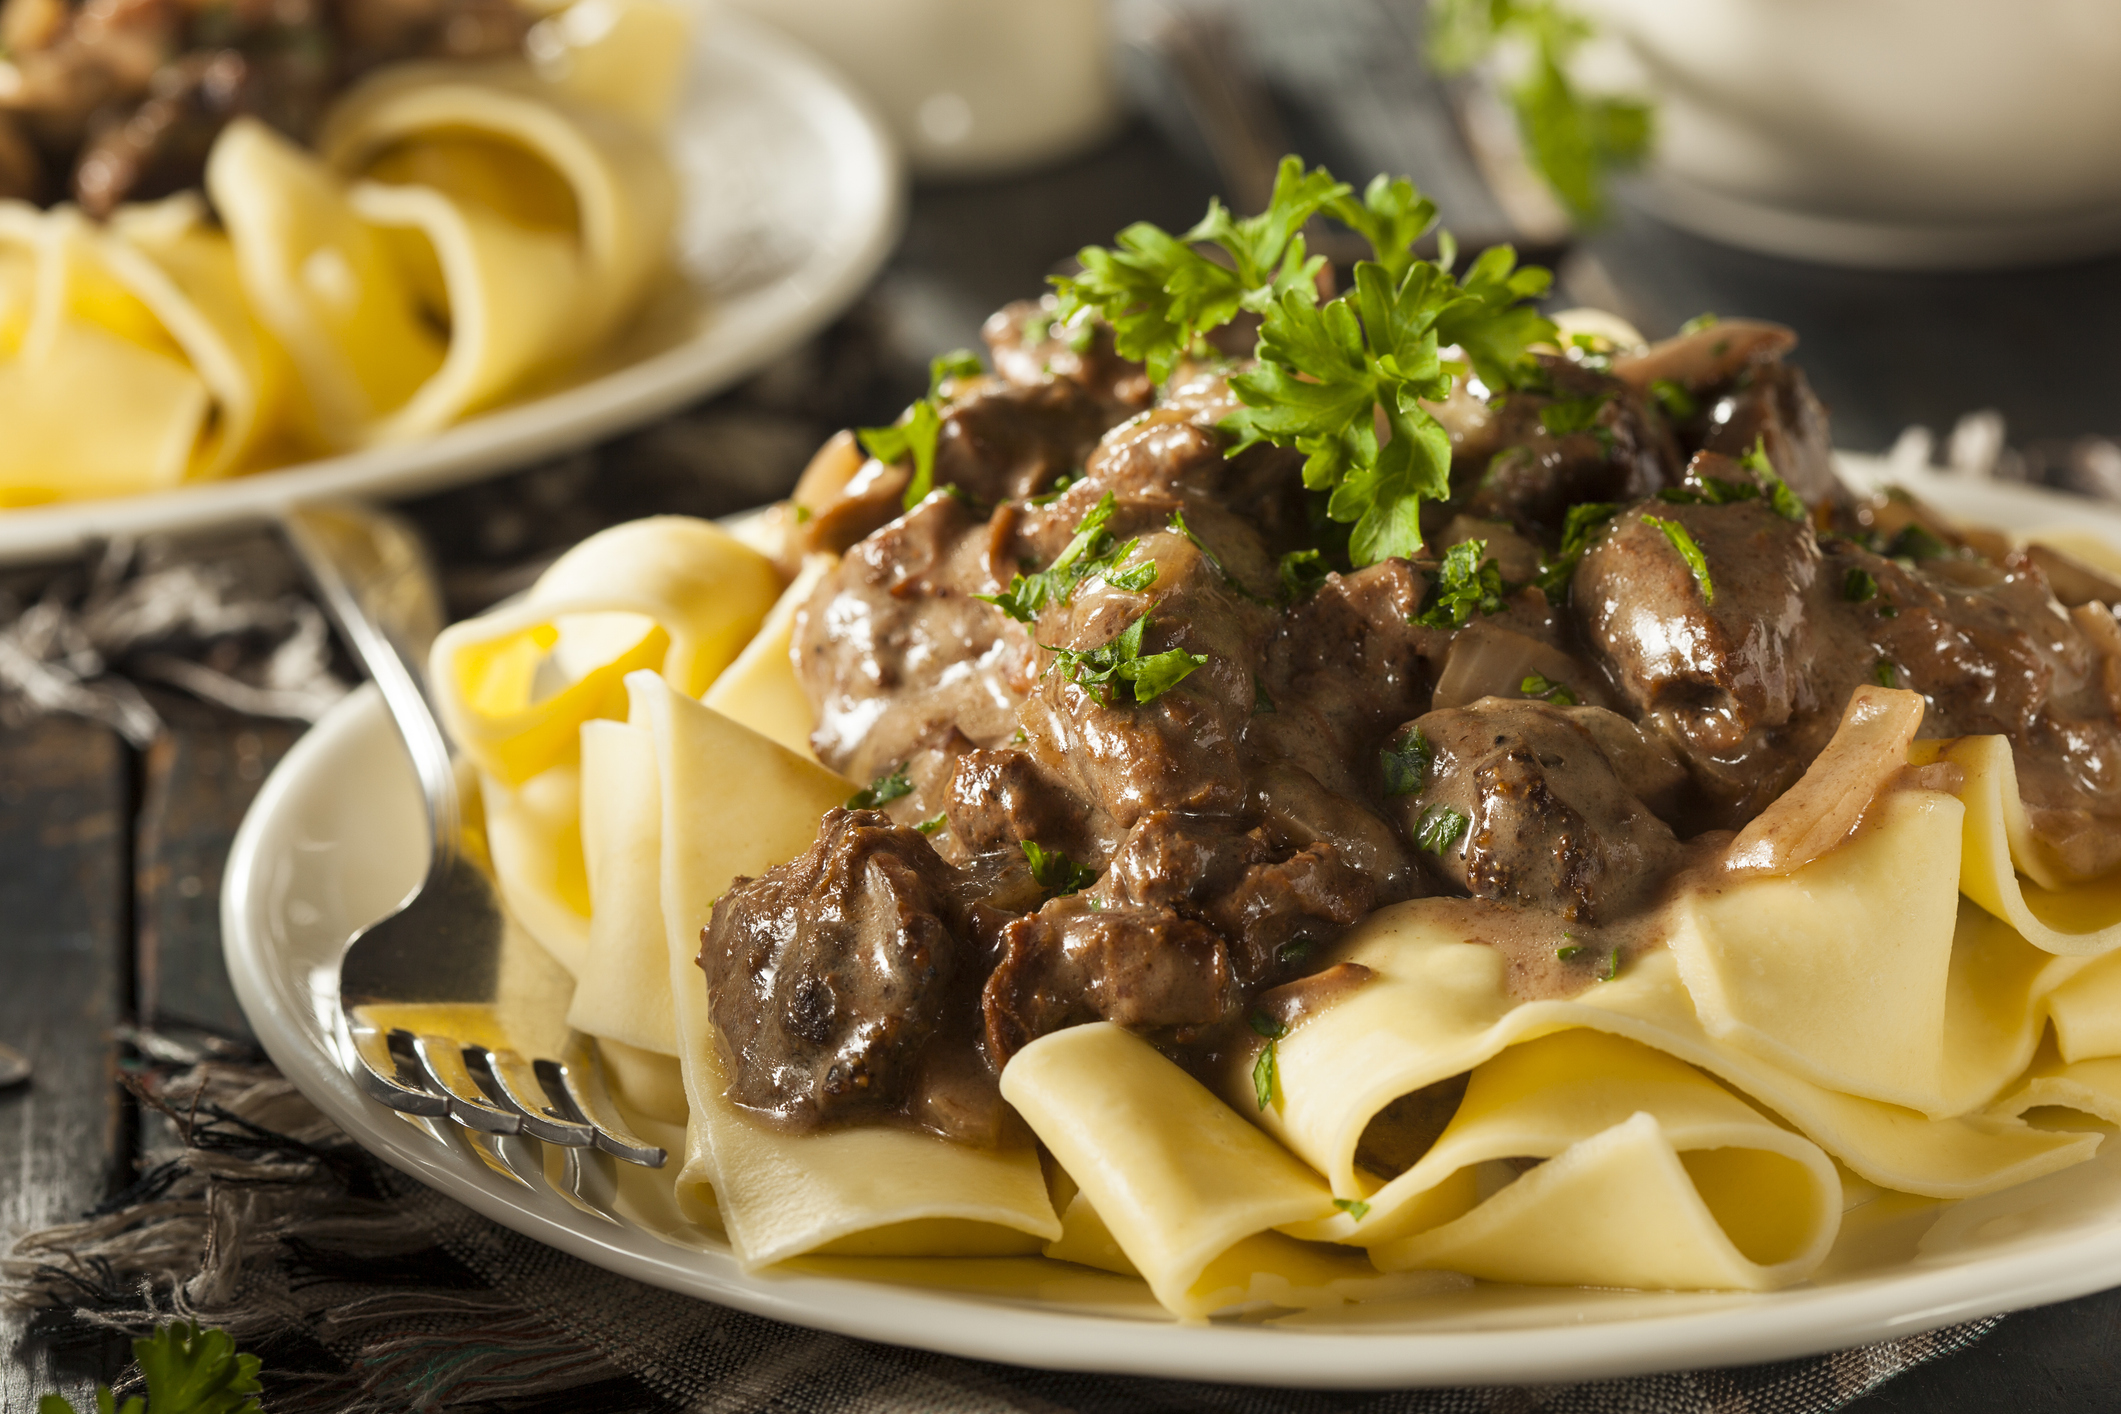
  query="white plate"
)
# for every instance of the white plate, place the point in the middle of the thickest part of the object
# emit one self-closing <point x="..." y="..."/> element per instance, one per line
<point x="791" y="199"/>
<point x="335" y="840"/>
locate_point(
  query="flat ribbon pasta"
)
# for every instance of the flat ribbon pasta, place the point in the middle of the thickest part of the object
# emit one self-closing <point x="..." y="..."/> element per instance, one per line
<point x="500" y="138"/>
<point x="760" y="688"/>
<point x="1654" y="1176"/>
<point x="1181" y="1184"/>
<point x="534" y="833"/>
<point x="622" y="990"/>
<point x="142" y="322"/>
<point x="670" y="593"/>
<point x="1439" y="1006"/>
<point x="735" y="803"/>
<point x="2006" y="872"/>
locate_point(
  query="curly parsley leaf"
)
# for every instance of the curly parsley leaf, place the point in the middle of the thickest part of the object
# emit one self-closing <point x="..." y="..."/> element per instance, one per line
<point x="1683" y="541"/>
<point x="1160" y="294"/>
<point x="1392" y="215"/>
<point x="188" y="1371"/>
<point x="882" y="791"/>
<point x="1405" y="766"/>
<point x="1466" y="583"/>
<point x="918" y="434"/>
<point x="1574" y="139"/>
<point x="1120" y="671"/>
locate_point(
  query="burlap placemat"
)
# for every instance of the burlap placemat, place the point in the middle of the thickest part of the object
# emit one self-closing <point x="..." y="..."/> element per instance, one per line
<point x="366" y="1293"/>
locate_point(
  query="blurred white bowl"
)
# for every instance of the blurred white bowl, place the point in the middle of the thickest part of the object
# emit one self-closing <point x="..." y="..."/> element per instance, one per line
<point x="968" y="87"/>
<point x="1918" y="133"/>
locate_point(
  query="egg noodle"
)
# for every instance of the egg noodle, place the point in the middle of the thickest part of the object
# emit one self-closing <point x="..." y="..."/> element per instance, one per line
<point x="460" y="233"/>
<point x="1857" y="1009"/>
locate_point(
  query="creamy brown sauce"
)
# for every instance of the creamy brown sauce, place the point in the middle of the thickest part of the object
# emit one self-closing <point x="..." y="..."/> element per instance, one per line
<point x="1567" y="755"/>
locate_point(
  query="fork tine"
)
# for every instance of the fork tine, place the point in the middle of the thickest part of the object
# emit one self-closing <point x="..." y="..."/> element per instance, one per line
<point x="443" y="1061"/>
<point x="577" y="1090"/>
<point x="390" y="1077"/>
<point x="509" y="1081"/>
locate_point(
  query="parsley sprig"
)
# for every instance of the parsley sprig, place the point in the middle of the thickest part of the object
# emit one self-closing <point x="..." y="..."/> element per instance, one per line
<point x="1574" y="139"/>
<point x="922" y="428"/>
<point x="1328" y="373"/>
<point x="1120" y="671"/>
<point x="188" y="1371"/>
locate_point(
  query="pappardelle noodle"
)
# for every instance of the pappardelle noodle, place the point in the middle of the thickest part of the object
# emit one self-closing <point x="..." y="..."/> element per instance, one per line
<point x="1417" y="793"/>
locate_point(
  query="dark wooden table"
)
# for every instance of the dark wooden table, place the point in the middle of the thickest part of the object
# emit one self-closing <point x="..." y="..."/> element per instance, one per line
<point x="110" y="858"/>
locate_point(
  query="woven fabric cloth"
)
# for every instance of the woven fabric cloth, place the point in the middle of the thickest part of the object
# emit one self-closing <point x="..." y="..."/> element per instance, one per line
<point x="365" y="1292"/>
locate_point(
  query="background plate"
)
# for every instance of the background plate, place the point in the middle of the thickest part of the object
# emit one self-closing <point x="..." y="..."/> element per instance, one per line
<point x="335" y="840"/>
<point x="790" y="201"/>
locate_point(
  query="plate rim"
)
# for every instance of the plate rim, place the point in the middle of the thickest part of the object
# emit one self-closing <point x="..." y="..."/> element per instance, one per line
<point x="866" y="168"/>
<point x="1739" y="1330"/>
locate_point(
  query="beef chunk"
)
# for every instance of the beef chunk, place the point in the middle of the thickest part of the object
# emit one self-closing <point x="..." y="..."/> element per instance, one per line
<point x="1311" y="896"/>
<point x="1145" y="968"/>
<point x="1737" y="684"/>
<point x="1029" y="348"/>
<point x="830" y="978"/>
<point x="1549" y="818"/>
<point x="1585" y="437"/>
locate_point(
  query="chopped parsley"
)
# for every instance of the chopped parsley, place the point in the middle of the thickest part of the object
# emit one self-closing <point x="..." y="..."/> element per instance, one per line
<point x="882" y="791"/>
<point x="1570" y="951"/>
<point x="1134" y="578"/>
<point x="1294" y="951"/>
<point x="1544" y="688"/>
<point x="1178" y="524"/>
<point x="1859" y="586"/>
<point x="1566" y="415"/>
<point x="1612" y="966"/>
<point x="1886" y="673"/>
<point x="1120" y="671"/>
<point x="1583" y="520"/>
<point x="1673" y="398"/>
<point x="1466" y="582"/>
<point x="1439" y="828"/>
<point x="1574" y="139"/>
<point x="1917" y="541"/>
<point x="1326" y="373"/>
<point x="1405" y="766"/>
<point x="1055" y="491"/>
<point x="1303" y="573"/>
<point x="1092" y="551"/>
<point x="1266" y="1071"/>
<point x="923" y="426"/>
<point x="1683" y="542"/>
<point x="1260" y="701"/>
<point x="1779" y="494"/>
<point x="932" y="826"/>
<point x="1353" y="1207"/>
<point x="1055" y="872"/>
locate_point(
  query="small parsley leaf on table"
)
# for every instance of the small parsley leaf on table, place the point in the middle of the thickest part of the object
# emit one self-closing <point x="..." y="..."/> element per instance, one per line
<point x="188" y="1371"/>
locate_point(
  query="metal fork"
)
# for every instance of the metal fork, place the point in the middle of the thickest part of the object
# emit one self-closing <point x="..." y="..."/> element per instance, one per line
<point x="443" y="945"/>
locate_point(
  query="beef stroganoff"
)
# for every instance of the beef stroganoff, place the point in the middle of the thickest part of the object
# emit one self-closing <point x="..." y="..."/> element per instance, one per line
<point x="1303" y="797"/>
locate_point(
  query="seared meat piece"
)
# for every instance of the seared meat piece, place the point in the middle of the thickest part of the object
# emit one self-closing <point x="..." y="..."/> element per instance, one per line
<point x="1028" y="348"/>
<point x="1742" y="391"/>
<point x="1587" y="438"/>
<point x="1000" y="798"/>
<point x="1001" y="441"/>
<point x="1308" y="897"/>
<point x="1544" y="805"/>
<point x="896" y="653"/>
<point x="1145" y="968"/>
<point x="829" y="977"/>
<point x="1739" y="685"/>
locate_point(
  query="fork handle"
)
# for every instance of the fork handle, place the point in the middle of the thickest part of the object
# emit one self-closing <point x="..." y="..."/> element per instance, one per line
<point x="375" y="582"/>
